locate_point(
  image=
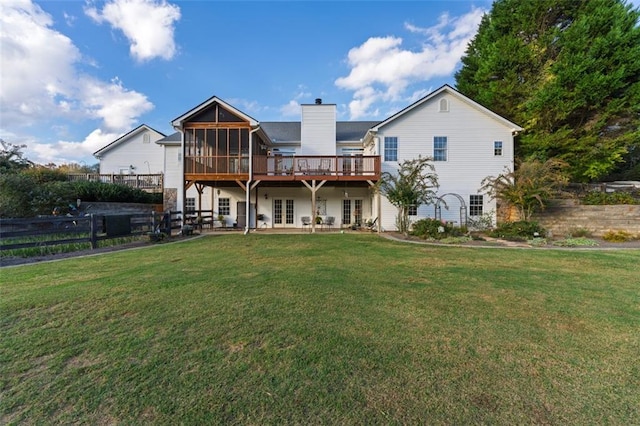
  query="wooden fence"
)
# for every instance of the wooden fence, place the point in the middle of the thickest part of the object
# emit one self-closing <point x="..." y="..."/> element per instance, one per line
<point x="55" y="230"/>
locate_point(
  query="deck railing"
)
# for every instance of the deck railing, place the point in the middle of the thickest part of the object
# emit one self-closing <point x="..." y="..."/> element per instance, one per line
<point x="147" y="182"/>
<point x="347" y="167"/>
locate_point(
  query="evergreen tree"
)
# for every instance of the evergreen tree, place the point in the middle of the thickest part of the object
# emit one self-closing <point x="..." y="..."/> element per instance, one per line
<point x="569" y="72"/>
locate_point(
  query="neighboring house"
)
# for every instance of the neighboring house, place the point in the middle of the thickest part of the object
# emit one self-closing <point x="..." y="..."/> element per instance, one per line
<point x="275" y="174"/>
<point x="135" y="153"/>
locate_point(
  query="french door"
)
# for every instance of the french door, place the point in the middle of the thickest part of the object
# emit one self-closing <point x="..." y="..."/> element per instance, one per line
<point x="283" y="213"/>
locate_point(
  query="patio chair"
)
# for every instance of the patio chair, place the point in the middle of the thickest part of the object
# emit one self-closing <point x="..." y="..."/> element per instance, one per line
<point x="303" y="167"/>
<point x="325" y="166"/>
<point x="329" y="222"/>
<point x="306" y="221"/>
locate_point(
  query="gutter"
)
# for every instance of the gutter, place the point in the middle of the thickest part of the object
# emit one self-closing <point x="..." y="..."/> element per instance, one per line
<point x="248" y="185"/>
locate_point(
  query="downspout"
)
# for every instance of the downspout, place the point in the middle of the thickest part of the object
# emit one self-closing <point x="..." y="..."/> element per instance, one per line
<point x="247" y="200"/>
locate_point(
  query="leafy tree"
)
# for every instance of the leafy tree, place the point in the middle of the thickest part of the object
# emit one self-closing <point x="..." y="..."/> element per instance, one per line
<point x="12" y="158"/>
<point x="569" y="72"/>
<point x="530" y="186"/>
<point x="412" y="185"/>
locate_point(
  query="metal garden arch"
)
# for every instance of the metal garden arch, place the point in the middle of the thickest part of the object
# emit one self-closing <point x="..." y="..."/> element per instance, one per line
<point x="463" y="208"/>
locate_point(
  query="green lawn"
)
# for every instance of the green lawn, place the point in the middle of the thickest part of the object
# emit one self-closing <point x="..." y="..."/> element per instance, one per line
<point x="332" y="329"/>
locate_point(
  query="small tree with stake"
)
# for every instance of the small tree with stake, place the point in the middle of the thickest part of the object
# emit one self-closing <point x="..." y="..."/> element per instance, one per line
<point x="413" y="184"/>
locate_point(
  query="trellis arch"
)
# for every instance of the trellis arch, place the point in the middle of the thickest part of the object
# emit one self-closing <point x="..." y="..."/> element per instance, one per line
<point x="463" y="207"/>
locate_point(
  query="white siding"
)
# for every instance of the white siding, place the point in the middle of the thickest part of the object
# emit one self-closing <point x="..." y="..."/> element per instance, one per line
<point x="318" y="131"/>
<point x="145" y="157"/>
<point x="470" y="158"/>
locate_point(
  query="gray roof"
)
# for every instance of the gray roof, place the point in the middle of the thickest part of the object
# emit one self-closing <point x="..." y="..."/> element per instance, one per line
<point x="175" y="138"/>
<point x="282" y="131"/>
<point x="290" y="131"/>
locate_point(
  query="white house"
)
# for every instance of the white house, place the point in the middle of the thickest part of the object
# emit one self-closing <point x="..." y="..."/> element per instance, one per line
<point x="133" y="153"/>
<point x="286" y="174"/>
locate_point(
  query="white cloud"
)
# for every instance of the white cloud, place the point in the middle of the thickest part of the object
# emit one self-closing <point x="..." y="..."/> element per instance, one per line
<point x="65" y="152"/>
<point x="292" y="108"/>
<point x="41" y="85"/>
<point x="147" y="24"/>
<point x="382" y="70"/>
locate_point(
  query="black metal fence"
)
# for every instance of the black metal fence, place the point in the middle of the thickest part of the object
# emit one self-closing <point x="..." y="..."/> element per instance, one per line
<point x="56" y="230"/>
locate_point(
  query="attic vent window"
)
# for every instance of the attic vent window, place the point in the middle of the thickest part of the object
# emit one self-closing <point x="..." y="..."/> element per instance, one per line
<point x="146" y="138"/>
<point x="443" y="105"/>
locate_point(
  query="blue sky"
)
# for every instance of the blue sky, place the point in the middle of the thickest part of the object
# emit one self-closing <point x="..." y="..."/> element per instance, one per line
<point x="76" y="75"/>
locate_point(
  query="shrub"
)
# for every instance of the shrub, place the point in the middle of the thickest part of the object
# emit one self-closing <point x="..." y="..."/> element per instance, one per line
<point x="38" y="192"/>
<point x="617" y="236"/>
<point x="482" y="223"/>
<point x="579" y="232"/>
<point x="576" y="242"/>
<point x="537" y="242"/>
<point x="435" y="229"/>
<point x="518" y="231"/>
<point x="608" y="198"/>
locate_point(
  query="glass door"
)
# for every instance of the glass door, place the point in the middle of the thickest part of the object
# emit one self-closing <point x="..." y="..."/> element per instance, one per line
<point x="283" y="213"/>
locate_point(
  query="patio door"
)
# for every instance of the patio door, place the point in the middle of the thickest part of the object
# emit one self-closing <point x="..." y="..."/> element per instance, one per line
<point x="283" y="213"/>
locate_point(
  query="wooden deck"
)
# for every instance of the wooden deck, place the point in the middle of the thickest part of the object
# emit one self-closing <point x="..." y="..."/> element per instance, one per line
<point x="284" y="168"/>
<point x="146" y="182"/>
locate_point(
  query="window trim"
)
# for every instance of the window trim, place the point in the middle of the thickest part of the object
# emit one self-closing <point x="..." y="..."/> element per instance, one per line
<point x="443" y="102"/>
<point x="476" y="205"/>
<point x="444" y="150"/>
<point x="227" y="207"/>
<point x="388" y="150"/>
<point x="190" y="204"/>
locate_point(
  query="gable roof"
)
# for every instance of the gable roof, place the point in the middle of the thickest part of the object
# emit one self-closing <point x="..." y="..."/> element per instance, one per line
<point x="124" y="138"/>
<point x="179" y="121"/>
<point x="450" y="90"/>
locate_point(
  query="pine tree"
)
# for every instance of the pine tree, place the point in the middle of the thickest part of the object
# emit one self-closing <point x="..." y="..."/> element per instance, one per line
<point x="569" y="72"/>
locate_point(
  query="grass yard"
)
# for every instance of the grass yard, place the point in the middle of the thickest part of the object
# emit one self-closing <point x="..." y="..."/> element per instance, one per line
<point x="331" y="329"/>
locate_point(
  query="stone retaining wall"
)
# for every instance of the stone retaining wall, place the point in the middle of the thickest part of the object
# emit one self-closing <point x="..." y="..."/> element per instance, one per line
<point x="561" y="216"/>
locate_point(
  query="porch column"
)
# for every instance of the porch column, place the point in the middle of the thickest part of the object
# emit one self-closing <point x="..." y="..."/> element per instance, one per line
<point x="313" y="188"/>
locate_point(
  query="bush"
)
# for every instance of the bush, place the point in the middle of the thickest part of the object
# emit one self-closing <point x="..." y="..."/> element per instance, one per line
<point x="608" y="198"/>
<point x="435" y="229"/>
<point x="579" y="232"/>
<point x="38" y="192"/>
<point x="576" y="242"/>
<point x="617" y="236"/>
<point x="518" y="231"/>
<point x="107" y="192"/>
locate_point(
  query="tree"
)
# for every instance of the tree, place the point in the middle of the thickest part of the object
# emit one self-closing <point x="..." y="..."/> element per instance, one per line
<point x="530" y="186"/>
<point x="569" y="72"/>
<point x="412" y="185"/>
<point x="11" y="158"/>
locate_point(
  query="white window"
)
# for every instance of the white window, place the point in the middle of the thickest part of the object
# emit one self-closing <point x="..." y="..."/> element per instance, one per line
<point x="224" y="206"/>
<point x="439" y="148"/>
<point x="412" y="210"/>
<point x="190" y="204"/>
<point x="476" y="204"/>
<point x="390" y="148"/>
<point x="497" y="148"/>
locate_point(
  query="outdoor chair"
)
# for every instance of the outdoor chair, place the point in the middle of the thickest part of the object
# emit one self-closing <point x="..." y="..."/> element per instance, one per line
<point x="325" y="166"/>
<point x="303" y="167"/>
<point x="306" y="221"/>
<point x="329" y="222"/>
